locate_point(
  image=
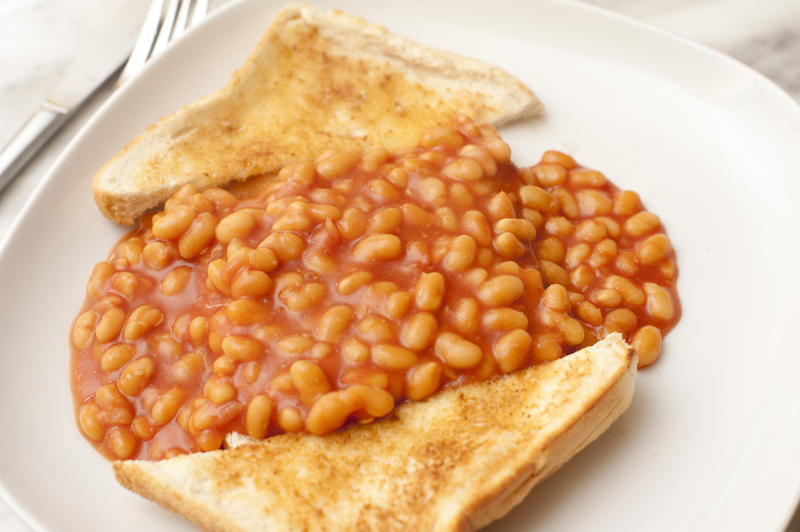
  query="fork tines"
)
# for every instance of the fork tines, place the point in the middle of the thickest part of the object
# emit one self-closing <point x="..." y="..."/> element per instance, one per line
<point x="161" y="27"/>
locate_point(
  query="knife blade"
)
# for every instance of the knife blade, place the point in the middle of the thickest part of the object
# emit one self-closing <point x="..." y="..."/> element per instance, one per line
<point x="98" y="62"/>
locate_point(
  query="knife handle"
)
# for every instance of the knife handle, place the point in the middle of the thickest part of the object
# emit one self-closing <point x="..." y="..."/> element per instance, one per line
<point x="29" y="140"/>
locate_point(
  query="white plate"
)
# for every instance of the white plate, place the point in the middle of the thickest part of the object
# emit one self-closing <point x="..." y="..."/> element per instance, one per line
<point x="712" y="438"/>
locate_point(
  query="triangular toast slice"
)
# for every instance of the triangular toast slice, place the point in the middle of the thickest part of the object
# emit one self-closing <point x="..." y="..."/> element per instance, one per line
<point x="316" y="80"/>
<point x="456" y="461"/>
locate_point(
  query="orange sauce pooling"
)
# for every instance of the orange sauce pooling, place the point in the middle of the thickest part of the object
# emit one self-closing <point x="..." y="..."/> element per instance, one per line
<point x="356" y="281"/>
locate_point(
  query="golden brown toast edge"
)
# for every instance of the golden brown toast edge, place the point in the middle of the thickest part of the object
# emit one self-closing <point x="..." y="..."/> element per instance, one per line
<point x="528" y="453"/>
<point x="258" y="136"/>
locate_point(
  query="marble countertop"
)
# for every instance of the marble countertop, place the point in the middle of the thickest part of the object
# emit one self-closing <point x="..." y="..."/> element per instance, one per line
<point x="38" y="39"/>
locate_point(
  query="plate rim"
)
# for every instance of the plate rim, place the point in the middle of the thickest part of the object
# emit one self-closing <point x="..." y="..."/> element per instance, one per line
<point x="27" y="514"/>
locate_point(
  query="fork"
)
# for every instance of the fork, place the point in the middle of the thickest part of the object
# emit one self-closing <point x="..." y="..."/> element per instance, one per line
<point x="159" y="29"/>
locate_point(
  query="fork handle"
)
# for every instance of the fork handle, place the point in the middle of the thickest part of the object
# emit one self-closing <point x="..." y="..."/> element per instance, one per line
<point x="29" y="140"/>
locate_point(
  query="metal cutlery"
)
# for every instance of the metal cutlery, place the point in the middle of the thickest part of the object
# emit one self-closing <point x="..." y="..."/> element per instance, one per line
<point x="89" y="71"/>
<point x="159" y="29"/>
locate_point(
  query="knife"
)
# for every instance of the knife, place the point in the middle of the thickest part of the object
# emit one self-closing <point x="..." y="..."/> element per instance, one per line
<point x="104" y="57"/>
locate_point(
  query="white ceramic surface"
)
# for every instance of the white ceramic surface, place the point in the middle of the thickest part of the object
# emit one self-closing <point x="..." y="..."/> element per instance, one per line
<point x="710" y="441"/>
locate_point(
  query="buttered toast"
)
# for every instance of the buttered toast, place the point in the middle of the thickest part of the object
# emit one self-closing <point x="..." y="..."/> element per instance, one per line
<point x="317" y="80"/>
<point x="456" y="461"/>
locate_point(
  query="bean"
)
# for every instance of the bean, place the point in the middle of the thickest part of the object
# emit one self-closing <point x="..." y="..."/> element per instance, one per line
<point x="327" y="414"/>
<point x="537" y="198"/>
<point x="500" y="206"/>
<point x="242" y="348"/>
<point x="558" y="225"/>
<point x="467" y="316"/>
<point x="374" y="401"/>
<point x="590" y="313"/>
<point x="566" y="202"/>
<point x="338" y="164"/>
<point x="416" y="216"/>
<point x="512" y="349"/>
<point x="286" y="245"/>
<point x="290" y="420"/>
<point x="653" y="249"/>
<point x="429" y="291"/>
<point x="398" y="303"/>
<point x="247" y="312"/>
<point x="647" y="344"/>
<point x="136" y="376"/>
<point x="198" y="236"/>
<point x="475" y="224"/>
<point x="221" y="198"/>
<point x="83" y="328"/>
<point x="419" y="331"/>
<point x="423" y="380"/>
<point x="176" y="280"/>
<point x="659" y="302"/>
<point x="393" y="356"/>
<point x="559" y="158"/>
<point x="353" y="223"/>
<point x="432" y="190"/>
<point x="167" y="405"/>
<point x="631" y="293"/>
<point x="295" y="344"/>
<point x="309" y="380"/>
<point x="89" y="421"/>
<point x="258" y="415"/>
<point x="582" y="276"/>
<point x="641" y="223"/>
<point x="546" y="347"/>
<point x="606" y="297"/>
<point x="355" y="350"/>
<point x="461" y="197"/>
<point x="110" y="325"/>
<point x="505" y="318"/>
<point x="292" y="221"/>
<point x="626" y="203"/>
<point x="620" y="320"/>
<point x="219" y="392"/>
<point x="116" y="356"/>
<point x="549" y="175"/>
<point x="101" y="273"/>
<point x="554" y="273"/>
<point x="552" y="249"/>
<point x="334" y="322"/>
<point x="380" y="247"/>
<point x="122" y="442"/>
<point x="141" y="321"/>
<point x="125" y="283"/>
<point x="252" y="283"/>
<point x="350" y="283"/>
<point x="498" y="148"/>
<point x="461" y="254"/>
<point x="385" y="220"/>
<point x="500" y="290"/>
<point x="464" y="170"/>
<point x="583" y="177"/>
<point x="189" y="366"/>
<point x="235" y="225"/>
<point x="457" y="352"/>
<point x="555" y="297"/>
<point x="173" y="223"/>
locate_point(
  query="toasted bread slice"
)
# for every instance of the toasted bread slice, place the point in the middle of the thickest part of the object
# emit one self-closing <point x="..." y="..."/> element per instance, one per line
<point x="456" y="461"/>
<point x="316" y="80"/>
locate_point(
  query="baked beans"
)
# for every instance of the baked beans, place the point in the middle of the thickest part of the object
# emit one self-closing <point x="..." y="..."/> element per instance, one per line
<point x="355" y="281"/>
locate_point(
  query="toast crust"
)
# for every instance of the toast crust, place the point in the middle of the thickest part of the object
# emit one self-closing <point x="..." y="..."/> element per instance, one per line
<point x="316" y="80"/>
<point x="454" y="462"/>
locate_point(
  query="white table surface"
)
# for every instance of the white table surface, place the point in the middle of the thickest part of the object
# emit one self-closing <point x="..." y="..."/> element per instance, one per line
<point x="39" y="38"/>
